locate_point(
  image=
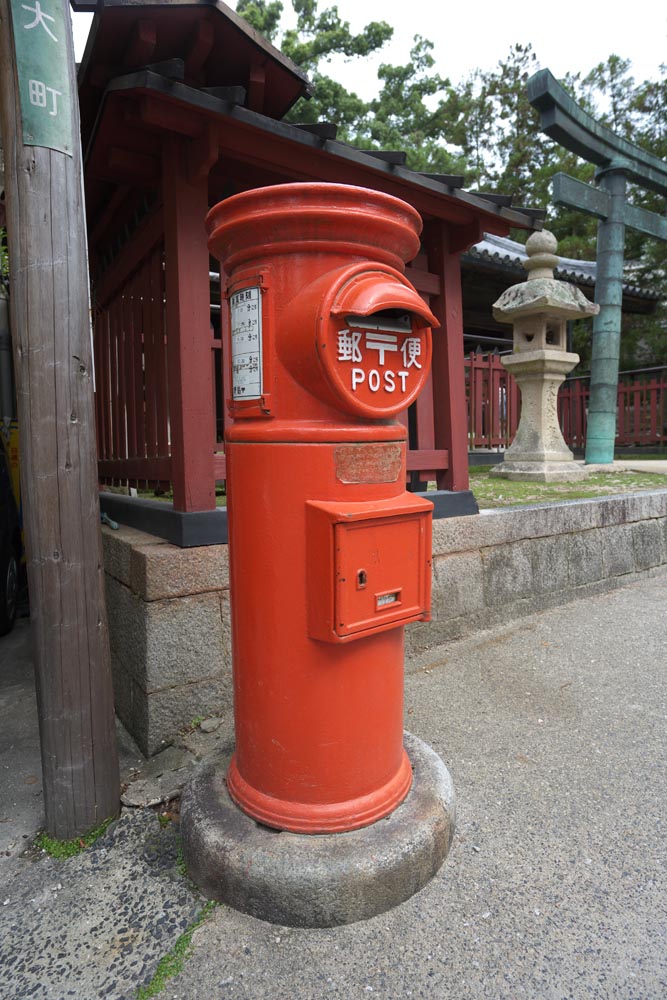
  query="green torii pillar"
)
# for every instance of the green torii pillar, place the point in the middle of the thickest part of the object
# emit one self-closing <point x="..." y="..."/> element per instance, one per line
<point x="617" y="162"/>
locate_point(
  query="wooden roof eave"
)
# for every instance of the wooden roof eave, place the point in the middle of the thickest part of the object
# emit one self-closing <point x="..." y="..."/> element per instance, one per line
<point x="154" y="7"/>
<point x="127" y="36"/>
<point x="277" y="144"/>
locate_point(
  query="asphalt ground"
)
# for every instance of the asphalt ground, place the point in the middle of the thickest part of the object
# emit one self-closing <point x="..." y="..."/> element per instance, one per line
<point x="554" y="729"/>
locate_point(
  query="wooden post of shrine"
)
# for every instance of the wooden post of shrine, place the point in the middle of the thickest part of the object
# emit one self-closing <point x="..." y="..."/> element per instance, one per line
<point x="448" y="369"/>
<point x="50" y="318"/>
<point x="185" y="199"/>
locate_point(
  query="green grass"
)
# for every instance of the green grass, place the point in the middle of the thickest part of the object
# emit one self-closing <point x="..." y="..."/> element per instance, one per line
<point x="491" y="492"/>
<point x="172" y="963"/>
<point x="168" y="495"/>
<point x="180" y="862"/>
<point x="63" y="849"/>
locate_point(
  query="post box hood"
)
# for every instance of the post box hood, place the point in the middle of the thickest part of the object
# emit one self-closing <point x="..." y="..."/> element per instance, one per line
<point x="374" y="291"/>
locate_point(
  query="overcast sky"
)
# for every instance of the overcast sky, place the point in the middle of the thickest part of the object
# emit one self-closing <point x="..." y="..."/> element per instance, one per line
<point x="566" y="35"/>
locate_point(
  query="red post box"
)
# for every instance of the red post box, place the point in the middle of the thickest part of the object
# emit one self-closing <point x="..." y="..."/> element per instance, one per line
<point x="330" y="556"/>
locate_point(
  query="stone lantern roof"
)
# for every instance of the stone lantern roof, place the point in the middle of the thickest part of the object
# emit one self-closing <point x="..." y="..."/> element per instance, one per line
<point x="541" y="292"/>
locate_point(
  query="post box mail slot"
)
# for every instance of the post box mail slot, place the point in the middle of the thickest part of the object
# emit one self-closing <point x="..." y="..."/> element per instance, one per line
<point x="370" y="566"/>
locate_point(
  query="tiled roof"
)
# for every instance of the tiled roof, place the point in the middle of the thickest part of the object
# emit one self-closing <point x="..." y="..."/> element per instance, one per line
<point x="510" y="255"/>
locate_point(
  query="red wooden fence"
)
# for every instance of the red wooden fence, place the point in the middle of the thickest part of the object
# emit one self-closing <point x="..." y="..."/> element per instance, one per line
<point x="494" y="406"/>
<point x="493" y="402"/>
<point x="132" y="406"/>
<point x="133" y="394"/>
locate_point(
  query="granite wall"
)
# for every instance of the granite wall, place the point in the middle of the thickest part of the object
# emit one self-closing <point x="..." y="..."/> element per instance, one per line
<point x="169" y="607"/>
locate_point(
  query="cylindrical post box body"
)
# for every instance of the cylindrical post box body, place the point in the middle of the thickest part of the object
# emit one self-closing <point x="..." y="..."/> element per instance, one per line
<point x="329" y="556"/>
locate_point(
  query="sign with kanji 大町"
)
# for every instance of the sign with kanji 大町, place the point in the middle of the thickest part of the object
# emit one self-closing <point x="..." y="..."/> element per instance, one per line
<point x="40" y="40"/>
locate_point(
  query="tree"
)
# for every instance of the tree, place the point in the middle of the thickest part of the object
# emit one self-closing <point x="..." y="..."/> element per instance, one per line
<point x="484" y="128"/>
<point x="317" y="37"/>
<point x="401" y="118"/>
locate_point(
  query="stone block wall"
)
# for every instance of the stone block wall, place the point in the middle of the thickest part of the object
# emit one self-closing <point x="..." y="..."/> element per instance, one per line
<point x="502" y="564"/>
<point x="169" y="616"/>
<point x="169" y="629"/>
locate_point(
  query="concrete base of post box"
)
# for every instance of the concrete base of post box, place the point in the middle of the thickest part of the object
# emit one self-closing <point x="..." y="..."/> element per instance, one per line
<point x="321" y="880"/>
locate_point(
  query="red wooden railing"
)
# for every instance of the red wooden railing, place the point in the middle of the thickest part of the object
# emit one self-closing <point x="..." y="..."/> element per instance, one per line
<point x="132" y="405"/>
<point x="493" y="402"/>
<point x="642" y="408"/>
<point x="494" y="406"/>
<point x="134" y="394"/>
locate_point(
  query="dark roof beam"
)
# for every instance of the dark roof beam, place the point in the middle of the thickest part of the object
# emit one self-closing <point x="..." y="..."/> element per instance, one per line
<point x="200" y="48"/>
<point x="256" y="86"/>
<point x="323" y="130"/>
<point x="280" y="147"/>
<point x="502" y="200"/>
<point x="230" y="95"/>
<point x="170" y="69"/>
<point x="394" y="157"/>
<point x="159" y="115"/>
<point x="537" y="214"/>
<point x="142" y="44"/>
<point x="449" y="180"/>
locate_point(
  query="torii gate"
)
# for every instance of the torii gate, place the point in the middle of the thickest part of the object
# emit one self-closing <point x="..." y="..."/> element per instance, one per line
<point x="617" y="162"/>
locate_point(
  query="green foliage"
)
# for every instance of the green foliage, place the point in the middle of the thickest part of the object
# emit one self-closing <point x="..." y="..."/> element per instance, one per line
<point x="63" y="849"/>
<point x="318" y="36"/>
<point x="413" y="112"/>
<point x="181" y="866"/>
<point x="264" y="17"/>
<point x="484" y="128"/>
<point x="611" y="80"/>
<point x="172" y="963"/>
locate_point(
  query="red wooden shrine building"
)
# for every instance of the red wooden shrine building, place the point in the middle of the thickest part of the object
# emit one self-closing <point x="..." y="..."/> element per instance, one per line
<point x="181" y="106"/>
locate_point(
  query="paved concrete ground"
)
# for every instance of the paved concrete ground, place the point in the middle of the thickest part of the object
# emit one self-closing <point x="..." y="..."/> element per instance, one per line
<point x="656" y="466"/>
<point x="21" y="806"/>
<point x="643" y="465"/>
<point x="555" y="731"/>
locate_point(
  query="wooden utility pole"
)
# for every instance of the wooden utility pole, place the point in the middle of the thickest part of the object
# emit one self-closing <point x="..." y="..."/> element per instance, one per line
<point x="50" y="318"/>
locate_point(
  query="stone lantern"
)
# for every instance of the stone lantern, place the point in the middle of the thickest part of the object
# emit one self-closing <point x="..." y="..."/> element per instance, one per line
<point x="539" y="309"/>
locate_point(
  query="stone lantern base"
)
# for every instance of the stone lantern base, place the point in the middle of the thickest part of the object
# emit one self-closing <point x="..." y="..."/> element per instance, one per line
<point x="539" y="452"/>
<point x="541" y="472"/>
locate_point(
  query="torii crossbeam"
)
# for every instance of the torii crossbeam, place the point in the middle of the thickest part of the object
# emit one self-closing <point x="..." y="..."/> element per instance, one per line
<point x="618" y="161"/>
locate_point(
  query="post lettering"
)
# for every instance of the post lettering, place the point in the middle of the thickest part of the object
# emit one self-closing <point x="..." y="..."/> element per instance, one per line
<point x="358" y="377"/>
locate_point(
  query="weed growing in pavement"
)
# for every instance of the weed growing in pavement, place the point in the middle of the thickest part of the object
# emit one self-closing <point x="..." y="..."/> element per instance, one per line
<point x="63" y="849"/>
<point x="192" y="725"/>
<point x="172" y="963"/>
